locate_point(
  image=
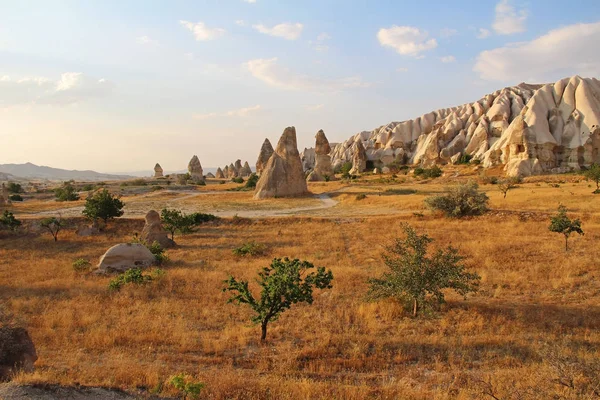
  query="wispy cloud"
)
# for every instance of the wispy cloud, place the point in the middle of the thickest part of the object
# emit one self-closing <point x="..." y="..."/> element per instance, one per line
<point x="240" y="22"/>
<point x="508" y="19"/>
<point x="145" y="40"/>
<point x="483" y="33"/>
<point x="202" y="32"/>
<point x="448" y="32"/>
<point x="402" y="69"/>
<point x="240" y="113"/>
<point x="273" y="74"/>
<point x="285" y="30"/>
<point x="448" y="59"/>
<point x="320" y="43"/>
<point x="406" y="40"/>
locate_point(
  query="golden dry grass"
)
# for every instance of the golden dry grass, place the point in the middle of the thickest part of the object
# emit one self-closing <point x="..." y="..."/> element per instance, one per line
<point x="341" y="347"/>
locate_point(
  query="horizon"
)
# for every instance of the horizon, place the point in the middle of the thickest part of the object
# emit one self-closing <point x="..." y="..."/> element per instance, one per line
<point x="138" y="83"/>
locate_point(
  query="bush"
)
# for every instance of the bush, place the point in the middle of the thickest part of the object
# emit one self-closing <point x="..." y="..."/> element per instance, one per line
<point x="251" y="182"/>
<point x="433" y="172"/>
<point x="561" y="223"/>
<point x="460" y="201"/>
<point x="134" y="276"/>
<point x="252" y="249"/>
<point x="66" y="192"/>
<point x="81" y="265"/>
<point x="345" y="170"/>
<point x="176" y="221"/>
<point x="103" y="205"/>
<point x="159" y="253"/>
<point x="9" y="221"/>
<point x="186" y="386"/>
<point x="14" y="187"/>
<point x="15" y="197"/>
<point x="465" y="159"/>
<point x="593" y="174"/>
<point x="87" y="188"/>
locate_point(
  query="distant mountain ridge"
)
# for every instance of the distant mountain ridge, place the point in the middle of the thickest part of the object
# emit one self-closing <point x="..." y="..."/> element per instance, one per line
<point x="32" y="171"/>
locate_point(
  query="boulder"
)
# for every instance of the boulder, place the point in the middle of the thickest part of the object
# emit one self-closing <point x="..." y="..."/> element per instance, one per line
<point x="220" y="174"/>
<point x="158" y="171"/>
<point x="154" y="232"/>
<point x="195" y="170"/>
<point x="283" y="175"/>
<point x="17" y="351"/>
<point x="266" y="151"/>
<point x="125" y="256"/>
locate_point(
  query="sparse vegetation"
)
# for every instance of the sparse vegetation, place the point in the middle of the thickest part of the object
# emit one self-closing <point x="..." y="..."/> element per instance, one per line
<point x="460" y="201"/>
<point x="187" y="387"/>
<point x="561" y="223"/>
<point x="81" y="265"/>
<point x="593" y="174"/>
<point x="134" y="276"/>
<point x="507" y="184"/>
<point x="66" y="192"/>
<point x="361" y="196"/>
<point x="53" y="225"/>
<point x="15" y="197"/>
<point x="433" y="172"/>
<point x="414" y="277"/>
<point x="251" y="249"/>
<point x="237" y="179"/>
<point x="14" y="187"/>
<point x="284" y="283"/>
<point x="8" y="221"/>
<point x="175" y="221"/>
<point x="103" y="205"/>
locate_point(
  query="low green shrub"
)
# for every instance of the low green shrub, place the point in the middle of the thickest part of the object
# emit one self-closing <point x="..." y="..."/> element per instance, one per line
<point x="81" y="265"/>
<point x="134" y="276"/>
<point x="460" y="201"/>
<point x="251" y="249"/>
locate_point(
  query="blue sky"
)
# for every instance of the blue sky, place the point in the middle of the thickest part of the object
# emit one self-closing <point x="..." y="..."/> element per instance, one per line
<point x="121" y="85"/>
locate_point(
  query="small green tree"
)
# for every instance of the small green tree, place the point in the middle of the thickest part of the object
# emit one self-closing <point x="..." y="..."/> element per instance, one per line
<point x="507" y="184"/>
<point x="103" y="205"/>
<point x="284" y="283"/>
<point x="176" y="221"/>
<point x="53" y="225"/>
<point x="345" y="170"/>
<point x="460" y="201"/>
<point x="413" y="275"/>
<point x="561" y="223"/>
<point x="9" y="221"/>
<point x="66" y="192"/>
<point x="14" y="187"/>
<point x="593" y="174"/>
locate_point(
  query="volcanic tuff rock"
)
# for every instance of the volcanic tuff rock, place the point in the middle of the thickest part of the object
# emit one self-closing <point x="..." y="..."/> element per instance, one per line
<point x="246" y="170"/>
<point x="323" y="167"/>
<point x="17" y="351"/>
<point x="265" y="154"/>
<point x="158" y="171"/>
<point x="527" y="128"/>
<point x="125" y="256"/>
<point x="220" y="174"/>
<point x="233" y="172"/>
<point x="283" y="175"/>
<point x="154" y="232"/>
<point x="226" y="172"/>
<point x="195" y="170"/>
<point x="359" y="159"/>
<point x="4" y="196"/>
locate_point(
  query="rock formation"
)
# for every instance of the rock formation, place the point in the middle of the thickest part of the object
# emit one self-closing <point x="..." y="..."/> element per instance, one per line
<point x="125" y="256"/>
<point x="17" y="351"/>
<point x="226" y="172"/>
<point x="323" y="169"/>
<point x="359" y="159"/>
<point x="154" y="232"/>
<point x="158" y="171"/>
<point x="195" y="170"/>
<point x="246" y="170"/>
<point x="238" y="167"/>
<point x="263" y="158"/>
<point x="233" y="172"/>
<point x="283" y="175"/>
<point x="558" y="130"/>
<point x="210" y="175"/>
<point x="220" y="174"/>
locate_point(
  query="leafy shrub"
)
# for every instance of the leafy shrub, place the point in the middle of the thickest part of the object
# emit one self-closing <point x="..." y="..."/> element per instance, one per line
<point x="159" y="253"/>
<point x="9" y="221"/>
<point x="460" y="201"/>
<point x="176" y="221"/>
<point x="87" y="188"/>
<point x="465" y="159"/>
<point x="593" y="174"/>
<point x="251" y="182"/>
<point x="186" y="386"/>
<point x="14" y="187"/>
<point x="81" y="265"/>
<point x="138" y="182"/>
<point x="15" y="197"/>
<point x="237" y="180"/>
<point x="345" y="170"/>
<point x="361" y="196"/>
<point x="133" y="276"/>
<point x="252" y="249"/>
<point x="103" y="205"/>
<point x="66" y="192"/>
<point x="400" y="191"/>
<point x="54" y="225"/>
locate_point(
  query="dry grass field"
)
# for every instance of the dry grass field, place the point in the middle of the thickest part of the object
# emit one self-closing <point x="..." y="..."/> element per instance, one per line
<point x="531" y="332"/>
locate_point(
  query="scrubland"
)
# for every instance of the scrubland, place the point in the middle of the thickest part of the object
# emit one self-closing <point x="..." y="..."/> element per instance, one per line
<point x="532" y="331"/>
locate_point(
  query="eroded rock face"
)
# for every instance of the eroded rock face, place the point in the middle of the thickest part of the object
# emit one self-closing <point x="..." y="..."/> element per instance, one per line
<point x="220" y="174"/>
<point x="233" y="172"/>
<point x="359" y="158"/>
<point x="266" y="151"/>
<point x="158" y="171"/>
<point x="246" y="170"/>
<point x="125" y="256"/>
<point x="17" y="351"/>
<point x="210" y="175"/>
<point x="195" y="170"/>
<point x="283" y="175"/>
<point x="154" y="232"/>
<point x="323" y="169"/>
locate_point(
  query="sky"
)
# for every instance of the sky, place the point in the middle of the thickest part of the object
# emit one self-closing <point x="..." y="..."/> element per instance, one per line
<point x="116" y="86"/>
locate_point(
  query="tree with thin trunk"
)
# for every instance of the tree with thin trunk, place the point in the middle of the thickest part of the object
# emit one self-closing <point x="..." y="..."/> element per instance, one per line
<point x="414" y="276"/>
<point x="507" y="184"/>
<point x="53" y="225"/>
<point x="284" y="283"/>
<point x="561" y="223"/>
<point x="593" y="174"/>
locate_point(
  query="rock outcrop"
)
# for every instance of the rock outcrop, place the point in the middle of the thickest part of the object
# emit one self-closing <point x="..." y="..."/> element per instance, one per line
<point x="158" y="171"/>
<point x="154" y="232"/>
<point x="246" y="170"/>
<point x="359" y="159"/>
<point x="220" y="174"/>
<point x="266" y="151"/>
<point x="283" y="175"/>
<point x="226" y="172"/>
<point x="530" y="129"/>
<point x="195" y="170"/>
<point x="323" y="169"/>
<point x="210" y="175"/>
<point x="125" y="256"/>
<point x="17" y="351"/>
<point x="233" y="172"/>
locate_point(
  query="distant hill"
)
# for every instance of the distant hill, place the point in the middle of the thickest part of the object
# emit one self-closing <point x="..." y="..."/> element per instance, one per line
<point x="32" y="171"/>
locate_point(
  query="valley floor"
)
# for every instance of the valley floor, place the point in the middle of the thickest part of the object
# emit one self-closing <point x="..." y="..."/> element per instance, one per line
<point x="538" y="305"/>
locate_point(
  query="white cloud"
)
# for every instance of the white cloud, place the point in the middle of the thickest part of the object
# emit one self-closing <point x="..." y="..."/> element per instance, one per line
<point x="285" y="30"/>
<point x="559" y="53"/>
<point x="202" y="32"/>
<point x="402" y="69"/>
<point x="250" y="1"/>
<point x="448" y="32"/>
<point x="319" y="44"/>
<point x="315" y="107"/>
<point x="323" y="36"/>
<point x="71" y="88"/>
<point x="270" y="72"/>
<point x="483" y="33"/>
<point x="508" y="20"/>
<point x="240" y="113"/>
<point x="146" y="40"/>
<point x="240" y="22"/>
<point x="406" y="40"/>
<point x="448" y="59"/>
